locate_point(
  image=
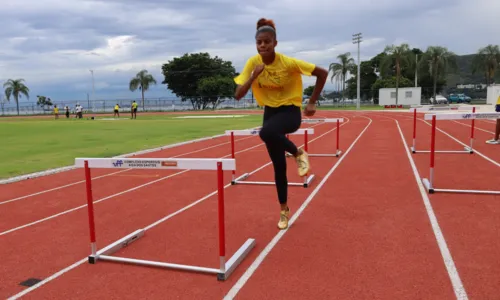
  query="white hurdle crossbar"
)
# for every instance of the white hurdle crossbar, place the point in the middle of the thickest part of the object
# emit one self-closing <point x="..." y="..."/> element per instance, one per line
<point x="220" y="165"/>
<point x="467" y="149"/>
<point x="244" y="132"/>
<point x="428" y="182"/>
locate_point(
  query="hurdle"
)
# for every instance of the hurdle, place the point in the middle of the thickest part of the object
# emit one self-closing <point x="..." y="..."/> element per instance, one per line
<point x="467" y="149"/>
<point x="333" y="120"/>
<point x="241" y="179"/>
<point x="105" y="254"/>
<point x="428" y="182"/>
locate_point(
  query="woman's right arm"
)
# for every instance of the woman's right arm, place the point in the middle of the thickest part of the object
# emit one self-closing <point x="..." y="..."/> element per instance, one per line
<point x="245" y="79"/>
<point x="242" y="89"/>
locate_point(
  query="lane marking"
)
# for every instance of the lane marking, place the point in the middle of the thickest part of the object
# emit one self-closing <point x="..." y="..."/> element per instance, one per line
<point x="475" y="127"/>
<point x="458" y="287"/>
<point x="249" y="272"/>
<point x="78" y="263"/>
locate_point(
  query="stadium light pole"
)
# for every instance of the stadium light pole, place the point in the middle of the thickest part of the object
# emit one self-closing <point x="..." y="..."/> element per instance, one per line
<point x="93" y="90"/>
<point x="356" y="39"/>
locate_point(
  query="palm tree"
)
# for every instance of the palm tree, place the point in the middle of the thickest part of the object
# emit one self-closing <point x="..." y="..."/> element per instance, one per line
<point x="16" y="88"/>
<point x="142" y="81"/>
<point x="340" y="69"/>
<point x="439" y="60"/>
<point x="397" y="57"/>
<point x="487" y="60"/>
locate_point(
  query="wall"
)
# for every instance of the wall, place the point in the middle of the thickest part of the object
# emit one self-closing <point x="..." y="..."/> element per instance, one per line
<point x="492" y="94"/>
<point x="407" y="96"/>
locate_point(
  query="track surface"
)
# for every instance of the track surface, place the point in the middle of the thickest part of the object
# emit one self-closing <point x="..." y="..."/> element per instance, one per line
<point x="365" y="229"/>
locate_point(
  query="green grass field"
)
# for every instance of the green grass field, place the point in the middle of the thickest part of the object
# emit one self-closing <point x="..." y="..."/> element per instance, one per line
<point x="32" y="145"/>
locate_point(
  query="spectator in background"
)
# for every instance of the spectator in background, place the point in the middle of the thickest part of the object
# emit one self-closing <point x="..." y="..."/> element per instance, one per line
<point x="78" y="111"/>
<point x="56" y="112"/>
<point x="117" y="111"/>
<point x="67" y="111"/>
<point x="496" y="138"/>
<point x="134" y="110"/>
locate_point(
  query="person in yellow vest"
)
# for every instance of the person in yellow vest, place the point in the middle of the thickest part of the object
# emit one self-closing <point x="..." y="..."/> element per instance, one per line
<point x="56" y="111"/>
<point x="134" y="110"/>
<point x="276" y="82"/>
<point x="117" y="111"/>
<point x="496" y="138"/>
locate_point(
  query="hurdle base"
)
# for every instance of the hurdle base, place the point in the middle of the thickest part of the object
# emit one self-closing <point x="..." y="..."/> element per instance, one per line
<point x="336" y="154"/>
<point x="467" y="150"/>
<point x="119" y="244"/>
<point x="105" y="255"/>
<point x="428" y="186"/>
<point x="236" y="259"/>
<point x="432" y="190"/>
<point x="241" y="180"/>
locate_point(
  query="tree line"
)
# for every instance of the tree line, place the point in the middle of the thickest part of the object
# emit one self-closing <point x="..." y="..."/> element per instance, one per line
<point x="398" y="66"/>
<point x="207" y="81"/>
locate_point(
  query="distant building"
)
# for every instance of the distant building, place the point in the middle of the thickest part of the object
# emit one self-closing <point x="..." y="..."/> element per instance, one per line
<point x="492" y="94"/>
<point x="406" y="96"/>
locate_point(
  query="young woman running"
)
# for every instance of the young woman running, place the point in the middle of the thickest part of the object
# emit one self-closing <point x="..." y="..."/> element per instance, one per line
<point x="276" y="81"/>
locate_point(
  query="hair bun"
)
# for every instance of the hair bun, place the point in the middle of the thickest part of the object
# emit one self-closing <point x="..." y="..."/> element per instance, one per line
<point x="264" y="22"/>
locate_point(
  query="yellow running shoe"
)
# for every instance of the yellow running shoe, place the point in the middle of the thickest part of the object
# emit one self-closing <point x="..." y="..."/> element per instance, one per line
<point x="284" y="215"/>
<point x="303" y="163"/>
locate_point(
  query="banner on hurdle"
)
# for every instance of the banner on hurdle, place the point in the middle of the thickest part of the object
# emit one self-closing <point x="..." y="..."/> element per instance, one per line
<point x="429" y="182"/>
<point x="241" y="179"/>
<point x="467" y="149"/>
<point x="105" y="254"/>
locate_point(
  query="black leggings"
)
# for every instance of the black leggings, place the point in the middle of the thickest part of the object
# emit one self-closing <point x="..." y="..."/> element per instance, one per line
<point x="277" y="123"/>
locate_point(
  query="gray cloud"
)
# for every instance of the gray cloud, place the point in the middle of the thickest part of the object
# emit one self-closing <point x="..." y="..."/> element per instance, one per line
<point x="52" y="44"/>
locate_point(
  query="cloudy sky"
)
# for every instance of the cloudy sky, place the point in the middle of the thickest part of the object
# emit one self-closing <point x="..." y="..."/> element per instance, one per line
<point x="53" y="44"/>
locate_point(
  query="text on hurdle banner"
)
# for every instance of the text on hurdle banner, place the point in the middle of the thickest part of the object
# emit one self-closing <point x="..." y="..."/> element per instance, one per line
<point x="464" y="116"/>
<point x="157" y="163"/>
<point x="334" y="120"/>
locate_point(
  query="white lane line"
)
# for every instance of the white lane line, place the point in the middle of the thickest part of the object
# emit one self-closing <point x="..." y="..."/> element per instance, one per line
<point x="458" y="287"/>
<point x="475" y="127"/>
<point x="249" y="272"/>
<point x="110" y="174"/>
<point x="76" y="264"/>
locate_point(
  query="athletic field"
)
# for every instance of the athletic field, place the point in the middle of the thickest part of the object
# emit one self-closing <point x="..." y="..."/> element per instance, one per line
<point x="366" y="227"/>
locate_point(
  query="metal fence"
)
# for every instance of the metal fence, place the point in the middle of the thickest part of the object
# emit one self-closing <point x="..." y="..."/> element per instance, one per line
<point x="170" y="105"/>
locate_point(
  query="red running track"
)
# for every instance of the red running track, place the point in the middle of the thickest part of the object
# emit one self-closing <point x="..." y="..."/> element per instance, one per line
<point x="366" y="233"/>
<point x="63" y="240"/>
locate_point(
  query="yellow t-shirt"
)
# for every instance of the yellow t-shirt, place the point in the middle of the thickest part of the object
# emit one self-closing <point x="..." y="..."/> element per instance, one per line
<point x="134" y="105"/>
<point x="117" y="107"/>
<point x="280" y="83"/>
<point x="56" y="110"/>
